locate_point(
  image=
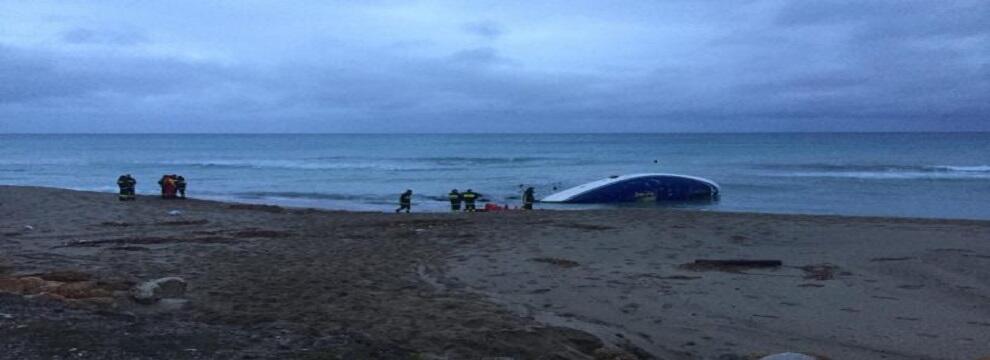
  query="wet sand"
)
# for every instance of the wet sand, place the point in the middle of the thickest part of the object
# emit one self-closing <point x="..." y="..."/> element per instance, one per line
<point x="269" y="282"/>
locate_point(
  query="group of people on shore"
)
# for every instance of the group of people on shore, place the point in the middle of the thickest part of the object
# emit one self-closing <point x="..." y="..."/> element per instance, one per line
<point x="173" y="187"/>
<point x="469" y="198"/>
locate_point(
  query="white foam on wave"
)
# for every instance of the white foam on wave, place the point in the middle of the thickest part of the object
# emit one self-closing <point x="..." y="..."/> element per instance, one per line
<point x="294" y="165"/>
<point x="892" y="175"/>
<point x="975" y="168"/>
<point x="44" y="162"/>
<point x="961" y="172"/>
<point x="105" y="188"/>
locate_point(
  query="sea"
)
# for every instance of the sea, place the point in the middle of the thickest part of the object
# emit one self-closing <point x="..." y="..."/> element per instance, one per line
<point x="930" y="175"/>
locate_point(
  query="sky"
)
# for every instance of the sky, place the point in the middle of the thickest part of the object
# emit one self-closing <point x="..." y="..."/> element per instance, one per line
<point x="500" y="66"/>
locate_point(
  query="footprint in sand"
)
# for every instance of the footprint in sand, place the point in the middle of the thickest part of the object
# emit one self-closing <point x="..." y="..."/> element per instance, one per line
<point x="629" y="308"/>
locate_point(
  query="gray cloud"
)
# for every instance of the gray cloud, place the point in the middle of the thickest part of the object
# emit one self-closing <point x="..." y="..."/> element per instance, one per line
<point x="43" y="78"/>
<point x="812" y="66"/>
<point x="479" y="56"/>
<point x="484" y="29"/>
<point x="90" y="36"/>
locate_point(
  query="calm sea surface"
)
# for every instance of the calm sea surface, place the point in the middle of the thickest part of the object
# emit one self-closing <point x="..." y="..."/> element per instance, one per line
<point x="945" y="175"/>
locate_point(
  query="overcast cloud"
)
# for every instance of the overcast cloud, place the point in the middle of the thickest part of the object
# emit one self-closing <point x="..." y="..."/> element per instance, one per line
<point x="501" y="66"/>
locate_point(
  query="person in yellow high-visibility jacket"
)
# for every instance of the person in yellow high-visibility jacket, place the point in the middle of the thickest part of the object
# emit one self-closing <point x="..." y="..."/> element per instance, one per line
<point x="126" y="184"/>
<point x="455" y="200"/>
<point x="469" y="199"/>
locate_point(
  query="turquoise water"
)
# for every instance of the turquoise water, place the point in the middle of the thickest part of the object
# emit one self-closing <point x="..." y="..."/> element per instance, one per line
<point x="943" y="175"/>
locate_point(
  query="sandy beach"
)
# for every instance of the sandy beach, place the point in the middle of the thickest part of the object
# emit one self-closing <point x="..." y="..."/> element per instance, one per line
<point x="272" y="282"/>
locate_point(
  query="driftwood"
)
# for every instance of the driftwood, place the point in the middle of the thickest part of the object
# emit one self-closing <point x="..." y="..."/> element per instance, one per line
<point x="739" y="263"/>
<point x="729" y="265"/>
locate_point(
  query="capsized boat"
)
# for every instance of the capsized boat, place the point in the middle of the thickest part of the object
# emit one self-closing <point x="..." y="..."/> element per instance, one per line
<point x="639" y="188"/>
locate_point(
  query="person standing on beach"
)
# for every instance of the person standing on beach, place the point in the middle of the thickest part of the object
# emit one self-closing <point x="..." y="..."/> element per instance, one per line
<point x="131" y="185"/>
<point x="180" y="186"/>
<point x="469" y="198"/>
<point x="126" y="183"/>
<point x="405" y="201"/>
<point x="161" y="183"/>
<point x="122" y="184"/>
<point x="528" y="199"/>
<point x="455" y="200"/>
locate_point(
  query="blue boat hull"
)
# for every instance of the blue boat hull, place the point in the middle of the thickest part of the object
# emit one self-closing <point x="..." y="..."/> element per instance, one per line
<point x="650" y="189"/>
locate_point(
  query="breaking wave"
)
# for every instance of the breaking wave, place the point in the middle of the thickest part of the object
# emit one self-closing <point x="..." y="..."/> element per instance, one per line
<point x="978" y="168"/>
<point x="315" y="163"/>
<point x="45" y="162"/>
<point x="882" y="171"/>
<point x="295" y="165"/>
<point x="368" y="198"/>
<point x="309" y="195"/>
<point x="380" y="164"/>
<point x="482" y="160"/>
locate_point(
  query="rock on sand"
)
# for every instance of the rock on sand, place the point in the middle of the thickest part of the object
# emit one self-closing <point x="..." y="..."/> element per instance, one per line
<point x="789" y="356"/>
<point x="150" y="292"/>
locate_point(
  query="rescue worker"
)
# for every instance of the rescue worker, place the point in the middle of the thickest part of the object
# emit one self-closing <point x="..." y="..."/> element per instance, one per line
<point x="122" y="184"/>
<point x="180" y="186"/>
<point x="455" y="200"/>
<point x="161" y="183"/>
<point x="469" y="198"/>
<point x="528" y="199"/>
<point x="405" y="201"/>
<point x="131" y="184"/>
<point x="126" y="183"/>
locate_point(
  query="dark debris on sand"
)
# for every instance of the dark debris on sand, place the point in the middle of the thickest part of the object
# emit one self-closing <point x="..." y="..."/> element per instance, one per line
<point x="564" y="263"/>
<point x="820" y="272"/>
<point x="730" y="265"/>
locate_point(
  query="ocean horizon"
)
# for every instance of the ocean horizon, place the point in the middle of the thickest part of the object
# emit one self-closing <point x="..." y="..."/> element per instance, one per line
<point x="228" y="133"/>
<point x="900" y="174"/>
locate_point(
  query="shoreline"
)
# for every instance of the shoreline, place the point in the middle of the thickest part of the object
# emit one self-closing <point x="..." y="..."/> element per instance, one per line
<point x="299" y="283"/>
<point x="297" y="204"/>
